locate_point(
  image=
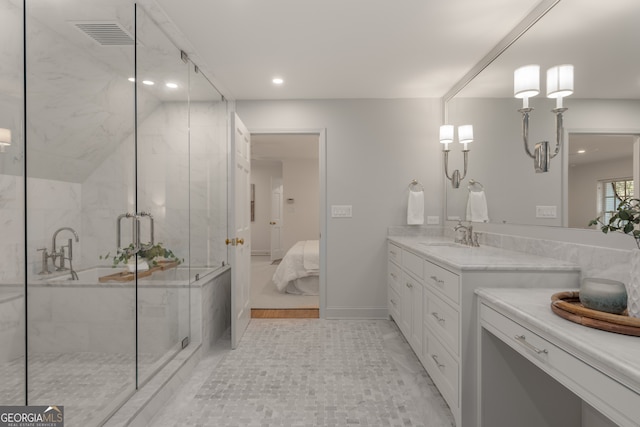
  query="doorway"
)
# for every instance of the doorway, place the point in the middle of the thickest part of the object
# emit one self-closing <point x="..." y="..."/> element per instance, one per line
<point x="287" y="210"/>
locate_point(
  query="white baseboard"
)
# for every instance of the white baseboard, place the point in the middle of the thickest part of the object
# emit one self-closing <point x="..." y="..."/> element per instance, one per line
<point x="260" y="252"/>
<point x="356" y="313"/>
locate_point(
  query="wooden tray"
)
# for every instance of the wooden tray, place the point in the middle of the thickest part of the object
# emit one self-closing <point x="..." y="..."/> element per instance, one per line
<point x="567" y="305"/>
<point x="127" y="276"/>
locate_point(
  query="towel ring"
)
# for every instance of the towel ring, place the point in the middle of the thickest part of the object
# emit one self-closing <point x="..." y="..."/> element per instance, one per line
<point x="475" y="185"/>
<point x="415" y="183"/>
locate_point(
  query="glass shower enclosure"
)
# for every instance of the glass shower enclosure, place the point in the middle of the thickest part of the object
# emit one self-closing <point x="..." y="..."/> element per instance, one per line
<point x="112" y="201"/>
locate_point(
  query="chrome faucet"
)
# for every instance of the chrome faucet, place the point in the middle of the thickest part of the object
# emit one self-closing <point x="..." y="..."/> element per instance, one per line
<point x="470" y="238"/>
<point x="61" y="254"/>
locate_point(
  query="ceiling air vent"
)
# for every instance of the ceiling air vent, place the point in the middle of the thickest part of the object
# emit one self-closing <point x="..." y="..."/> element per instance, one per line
<point x="105" y="33"/>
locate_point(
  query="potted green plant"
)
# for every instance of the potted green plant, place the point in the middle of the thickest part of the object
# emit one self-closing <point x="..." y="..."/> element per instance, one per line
<point x="626" y="219"/>
<point x="148" y="256"/>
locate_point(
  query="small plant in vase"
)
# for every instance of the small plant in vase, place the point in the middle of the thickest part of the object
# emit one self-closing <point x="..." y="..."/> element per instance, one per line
<point x="626" y="219"/>
<point x="148" y="256"/>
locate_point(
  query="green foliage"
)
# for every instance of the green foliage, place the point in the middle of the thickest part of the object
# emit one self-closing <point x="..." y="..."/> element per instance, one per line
<point x="151" y="253"/>
<point x="625" y="219"/>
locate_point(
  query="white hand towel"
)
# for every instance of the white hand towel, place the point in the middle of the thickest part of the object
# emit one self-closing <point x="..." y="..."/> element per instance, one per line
<point x="415" y="208"/>
<point x="477" y="207"/>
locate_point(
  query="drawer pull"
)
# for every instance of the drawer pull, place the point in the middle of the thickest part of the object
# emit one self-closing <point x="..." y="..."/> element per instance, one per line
<point x="393" y="275"/>
<point x="393" y="302"/>
<point x="435" y="359"/>
<point x="393" y="253"/>
<point x="438" y="318"/>
<point x="438" y="281"/>
<point x="409" y="285"/>
<point x="523" y="340"/>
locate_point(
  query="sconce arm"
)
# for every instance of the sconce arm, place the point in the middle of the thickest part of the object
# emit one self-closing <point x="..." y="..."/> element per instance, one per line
<point x="559" y="129"/>
<point x="525" y="129"/>
<point x="455" y="178"/>
<point x="466" y="162"/>
<point x="446" y="164"/>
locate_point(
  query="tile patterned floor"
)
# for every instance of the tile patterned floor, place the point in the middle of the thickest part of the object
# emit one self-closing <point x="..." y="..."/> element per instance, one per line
<point x="88" y="385"/>
<point x="310" y="372"/>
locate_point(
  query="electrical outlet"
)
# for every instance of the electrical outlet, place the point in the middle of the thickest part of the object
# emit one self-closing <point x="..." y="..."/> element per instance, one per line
<point x="546" y="212"/>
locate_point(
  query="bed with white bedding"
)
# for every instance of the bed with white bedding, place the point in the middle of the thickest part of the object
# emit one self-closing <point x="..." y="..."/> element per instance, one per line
<point x="298" y="272"/>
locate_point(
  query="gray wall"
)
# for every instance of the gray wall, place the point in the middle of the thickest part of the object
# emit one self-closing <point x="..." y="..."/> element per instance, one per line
<point x="374" y="149"/>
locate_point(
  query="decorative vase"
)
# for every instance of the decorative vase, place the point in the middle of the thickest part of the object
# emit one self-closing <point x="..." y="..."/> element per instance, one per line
<point x="141" y="266"/>
<point x="603" y="295"/>
<point x="633" y="286"/>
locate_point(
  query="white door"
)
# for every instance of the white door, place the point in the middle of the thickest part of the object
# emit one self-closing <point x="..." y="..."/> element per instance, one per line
<point x="239" y="240"/>
<point x="276" y="219"/>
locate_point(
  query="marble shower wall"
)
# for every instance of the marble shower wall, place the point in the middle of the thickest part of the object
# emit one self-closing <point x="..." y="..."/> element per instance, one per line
<point x="172" y="177"/>
<point x="52" y="204"/>
<point x="91" y="208"/>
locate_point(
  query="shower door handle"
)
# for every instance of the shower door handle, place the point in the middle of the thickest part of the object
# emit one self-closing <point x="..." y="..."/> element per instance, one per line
<point x="135" y="228"/>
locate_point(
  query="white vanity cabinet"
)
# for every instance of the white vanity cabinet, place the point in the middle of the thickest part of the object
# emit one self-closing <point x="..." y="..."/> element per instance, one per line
<point x="535" y="362"/>
<point x="405" y="290"/>
<point x="431" y="293"/>
<point x="441" y="331"/>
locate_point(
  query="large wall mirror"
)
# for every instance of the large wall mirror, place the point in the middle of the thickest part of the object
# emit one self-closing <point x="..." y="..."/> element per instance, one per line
<point x="599" y="157"/>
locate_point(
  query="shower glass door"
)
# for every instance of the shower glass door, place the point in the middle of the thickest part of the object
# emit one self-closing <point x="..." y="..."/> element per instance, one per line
<point x="111" y="207"/>
<point x="162" y="203"/>
<point x="12" y="229"/>
<point x="80" y="169"/>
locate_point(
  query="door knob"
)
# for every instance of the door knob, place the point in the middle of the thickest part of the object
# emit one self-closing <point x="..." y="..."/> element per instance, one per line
<point x="240" y="241"/>
<point x="272" y="223"/>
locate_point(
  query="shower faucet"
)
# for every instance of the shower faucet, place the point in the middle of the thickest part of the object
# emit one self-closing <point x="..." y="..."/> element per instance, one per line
<point x="61" y="254"/>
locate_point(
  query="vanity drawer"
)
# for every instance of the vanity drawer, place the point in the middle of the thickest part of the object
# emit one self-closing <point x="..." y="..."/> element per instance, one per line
<point x="393" y="304"/>
<point x="394" y="276"/>
<point x="443" y="320"/>
<point x="413" y="264"/>
<point x="587" y="381"/>
<point x="443" y="281"/>
<point x="442" y="367"/>
<point x="394" y="253"/>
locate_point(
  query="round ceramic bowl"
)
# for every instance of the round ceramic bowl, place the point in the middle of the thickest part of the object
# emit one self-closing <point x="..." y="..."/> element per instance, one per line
<point x="603" y="295"/>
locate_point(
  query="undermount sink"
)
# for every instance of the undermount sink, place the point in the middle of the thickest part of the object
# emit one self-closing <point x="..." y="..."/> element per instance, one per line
<point x="447" y="244"/>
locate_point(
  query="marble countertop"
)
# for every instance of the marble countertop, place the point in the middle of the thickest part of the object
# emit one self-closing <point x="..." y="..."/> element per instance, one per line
<point x="617" y="355"/>
<point x="463" y="257"/>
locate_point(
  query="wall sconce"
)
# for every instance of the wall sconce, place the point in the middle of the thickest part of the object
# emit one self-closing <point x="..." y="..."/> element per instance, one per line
<point x="465" y="136"/>
<point x="526" y="84"/>
<point x="5" y="139"/>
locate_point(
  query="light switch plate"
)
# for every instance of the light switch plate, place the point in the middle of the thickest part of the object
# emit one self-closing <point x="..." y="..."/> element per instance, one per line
<point x="341" y="211"/>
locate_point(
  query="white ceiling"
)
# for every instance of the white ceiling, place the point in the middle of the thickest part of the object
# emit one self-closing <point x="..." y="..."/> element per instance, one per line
<point x="599" y="148"/>
<point x="343" y="48"/>
<point x="600" y="38"/>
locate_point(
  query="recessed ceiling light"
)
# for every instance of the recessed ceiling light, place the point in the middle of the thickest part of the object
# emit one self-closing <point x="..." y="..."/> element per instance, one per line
<point x="148" y="82"/>
<point x="172" y="85"/>
<point x="131" y="79"/>
<point x="582" y="151"/>
<point x="277" y="81"/>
